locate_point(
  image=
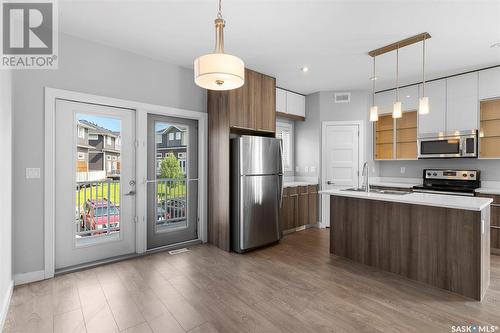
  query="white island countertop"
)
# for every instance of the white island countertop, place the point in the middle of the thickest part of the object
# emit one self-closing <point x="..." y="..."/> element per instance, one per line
<point x="424" y="199"/>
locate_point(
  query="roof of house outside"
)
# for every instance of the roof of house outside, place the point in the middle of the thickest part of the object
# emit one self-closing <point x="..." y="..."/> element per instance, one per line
<point x="96" y="129"/>
<point x="165" y="130"/>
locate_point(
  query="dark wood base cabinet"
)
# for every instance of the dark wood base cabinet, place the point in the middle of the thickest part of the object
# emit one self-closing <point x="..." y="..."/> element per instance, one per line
<point x="446" y="248"/>
<point x="299" y="207"/>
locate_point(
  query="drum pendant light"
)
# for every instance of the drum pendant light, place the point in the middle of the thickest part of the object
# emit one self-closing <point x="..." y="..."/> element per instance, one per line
<point x="374" y="108"/>
<point x="423" y="103"/>
<point x="218" y="70"/>
<point x="396" y="108"/>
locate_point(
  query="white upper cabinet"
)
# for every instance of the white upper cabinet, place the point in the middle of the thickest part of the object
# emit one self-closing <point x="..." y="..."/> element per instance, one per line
<point x="435" y="121"/>
<point x="295" y="104"/>
<point x="409" y="98"/>
<point x="489" y="83"/>
<point x="385" y="100"/>
<point x="462" y="102"/>
<point x="280" y="100"/>
<point x="290" y="103"/>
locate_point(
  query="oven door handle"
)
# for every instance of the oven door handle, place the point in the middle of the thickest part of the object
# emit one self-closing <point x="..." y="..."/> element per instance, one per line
<point x="463" y="194"/>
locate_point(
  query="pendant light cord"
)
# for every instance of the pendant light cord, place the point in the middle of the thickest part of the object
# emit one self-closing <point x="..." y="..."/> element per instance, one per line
<point x="397" y="74"/>
<point x="373" y="83"/>
<point x="219" y="13"/>
<point x="423" y="67"/>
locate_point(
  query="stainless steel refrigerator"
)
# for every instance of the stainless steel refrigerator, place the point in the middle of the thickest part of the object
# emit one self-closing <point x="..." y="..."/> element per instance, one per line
<point x="256" y="191"/>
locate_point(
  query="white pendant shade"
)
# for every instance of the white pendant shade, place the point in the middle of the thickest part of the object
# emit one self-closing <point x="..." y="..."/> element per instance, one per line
<point x="219" y="71"/>
<point x="374" y="113"/>
<point x="423" y="105"/>
<point x="396" y="110"/>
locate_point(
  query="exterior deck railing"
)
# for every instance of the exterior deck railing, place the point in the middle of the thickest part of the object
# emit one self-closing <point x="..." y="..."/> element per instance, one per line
<point x="97" y="208"/>
<point x="171" y="201"/>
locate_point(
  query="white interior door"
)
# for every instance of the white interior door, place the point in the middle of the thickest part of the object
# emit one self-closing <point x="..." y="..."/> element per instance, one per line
<point x="342" y="155"/>
<point x="342" y="148"/>
<point x="94" y="183"/>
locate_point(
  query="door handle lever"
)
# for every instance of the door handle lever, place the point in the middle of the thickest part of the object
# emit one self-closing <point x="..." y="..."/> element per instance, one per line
<point x="130" y="193"/>
<point x="330" y="183"/>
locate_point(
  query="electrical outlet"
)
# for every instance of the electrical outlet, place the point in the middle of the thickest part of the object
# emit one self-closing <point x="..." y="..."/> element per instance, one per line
<point x="297" y="169"/>
<point x="313" y="169"/>
<point x="32" y="173"/>
<point x="373" y="170"/>
<point x="306" y="169"/>
<point x="402" y="170"/>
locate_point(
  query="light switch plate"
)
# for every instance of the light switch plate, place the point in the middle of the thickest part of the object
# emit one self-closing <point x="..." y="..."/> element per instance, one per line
<point x="306" y="169"/>
<point x="32" y="173"/>
<point x="403" y="170"/>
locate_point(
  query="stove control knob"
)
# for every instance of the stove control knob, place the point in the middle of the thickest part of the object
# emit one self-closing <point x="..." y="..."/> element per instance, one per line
<point x="434" y="174"/>
<point x="472" y="175"/>
<point x="428" y="173"/>
<point x="465" y="175"/>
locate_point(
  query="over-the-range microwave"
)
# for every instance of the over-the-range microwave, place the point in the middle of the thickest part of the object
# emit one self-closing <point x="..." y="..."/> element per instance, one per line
<point x="458" y="144"/>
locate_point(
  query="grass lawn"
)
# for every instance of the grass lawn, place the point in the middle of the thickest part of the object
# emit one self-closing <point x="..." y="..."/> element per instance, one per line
<point x="101" y="191"/>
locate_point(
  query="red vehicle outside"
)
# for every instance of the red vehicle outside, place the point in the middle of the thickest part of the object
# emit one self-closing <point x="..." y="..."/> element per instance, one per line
<point x="94" y="215"/>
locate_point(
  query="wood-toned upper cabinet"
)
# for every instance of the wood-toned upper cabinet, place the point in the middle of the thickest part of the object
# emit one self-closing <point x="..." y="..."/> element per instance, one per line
<point x="240" y="113"/>
<point x="252" y="107"/>
<point x="266" y="114"/>
<point x="489" y="83"/>
<point x="462" y="102"/>
<point x="435" y="121"/>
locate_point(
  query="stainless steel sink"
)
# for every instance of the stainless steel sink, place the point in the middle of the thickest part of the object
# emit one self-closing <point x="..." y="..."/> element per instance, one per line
<point x="375" y="190"/>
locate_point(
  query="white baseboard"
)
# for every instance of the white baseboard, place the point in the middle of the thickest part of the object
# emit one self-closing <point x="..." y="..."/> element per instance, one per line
<point x="29" y="277"/>
<point x="5" y="305"/>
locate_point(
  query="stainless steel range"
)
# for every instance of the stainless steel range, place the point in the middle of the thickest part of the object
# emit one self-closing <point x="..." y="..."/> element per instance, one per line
<point x="446" y="181"/>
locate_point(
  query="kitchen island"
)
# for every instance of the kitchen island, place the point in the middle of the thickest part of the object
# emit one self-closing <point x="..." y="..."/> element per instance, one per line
<point x="440" y="240"/>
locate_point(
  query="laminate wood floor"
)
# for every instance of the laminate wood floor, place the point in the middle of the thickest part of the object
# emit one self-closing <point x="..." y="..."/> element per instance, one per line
<point x="295" y="286"/>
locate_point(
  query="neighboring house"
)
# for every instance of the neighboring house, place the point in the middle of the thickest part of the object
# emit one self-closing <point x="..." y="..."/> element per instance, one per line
<point x="104" y="149"/>
<point x="171" y="140"/>
<point x="82" y="147"/>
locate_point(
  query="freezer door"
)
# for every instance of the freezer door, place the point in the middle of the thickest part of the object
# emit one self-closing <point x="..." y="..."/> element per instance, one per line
<point x="260" y="155"/>
<point x="259" y="223"/>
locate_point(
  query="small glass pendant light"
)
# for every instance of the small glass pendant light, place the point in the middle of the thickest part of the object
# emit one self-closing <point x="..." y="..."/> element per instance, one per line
<point x="374" y="108"/>
<point x="396" y="107"/>
<point x="423" y="103"/>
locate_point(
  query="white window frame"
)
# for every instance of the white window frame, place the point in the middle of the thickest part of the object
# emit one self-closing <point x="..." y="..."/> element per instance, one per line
<point x="159" y="138"/>
<point x="93" y="137"/>
<point x="287" y="164"/>
<point x="109" y="142"/>
<point x="178" y="135"/>
<point x="171" y="136"/>
<point x="81" y="156"/>
<point x="159" y="156"/>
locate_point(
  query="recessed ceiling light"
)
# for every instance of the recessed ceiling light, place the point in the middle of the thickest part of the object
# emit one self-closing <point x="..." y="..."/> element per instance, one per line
<point x="305" y="69"/>
<point x="495" y="45"/>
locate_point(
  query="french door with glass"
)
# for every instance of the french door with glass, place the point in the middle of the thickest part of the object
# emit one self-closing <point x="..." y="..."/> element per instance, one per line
<point x="94" y="183"/>
<point x="172" y="190"/>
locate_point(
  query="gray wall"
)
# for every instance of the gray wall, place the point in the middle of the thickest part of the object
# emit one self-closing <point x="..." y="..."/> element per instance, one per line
<point x="5" y="188"/>
<point x="321" y="107"/>
<point x="90" y="68"/>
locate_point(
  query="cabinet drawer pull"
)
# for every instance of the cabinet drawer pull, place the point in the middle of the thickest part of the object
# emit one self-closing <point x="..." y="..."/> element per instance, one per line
<point x="495" y="205"/>
<point x="494" y="227"/>
<point x="294" y="195"/>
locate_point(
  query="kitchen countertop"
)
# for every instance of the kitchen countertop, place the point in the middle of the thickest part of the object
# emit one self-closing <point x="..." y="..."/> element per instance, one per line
<point x="425" y="199"/>
<point x="488" y="190"/>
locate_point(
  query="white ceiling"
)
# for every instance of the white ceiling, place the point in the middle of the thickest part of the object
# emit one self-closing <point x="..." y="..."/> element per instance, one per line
<point x="279" y="37"/>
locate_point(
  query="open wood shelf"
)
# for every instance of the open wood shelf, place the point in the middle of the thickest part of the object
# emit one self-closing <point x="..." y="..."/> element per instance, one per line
<point x="490" y="129"/>
<point x="406" y="136"/>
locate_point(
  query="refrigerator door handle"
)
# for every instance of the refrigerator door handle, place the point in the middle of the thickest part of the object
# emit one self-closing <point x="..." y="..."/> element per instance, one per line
<point x="281" y="157"/>
<point x="280" y="188"/>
